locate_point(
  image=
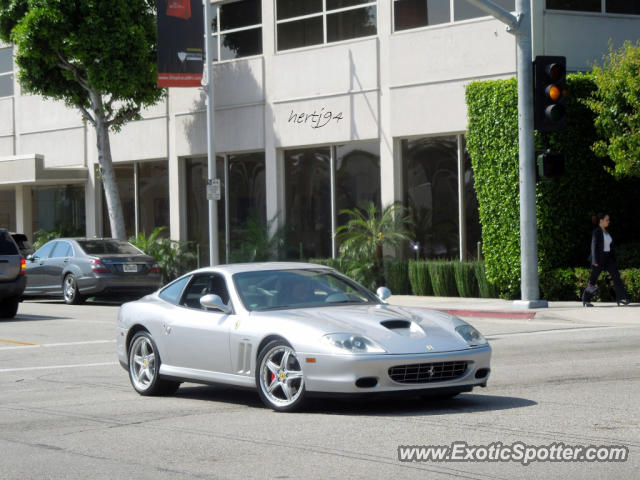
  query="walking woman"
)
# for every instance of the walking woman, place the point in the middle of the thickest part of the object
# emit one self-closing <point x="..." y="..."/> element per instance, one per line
<point x="603" y="257"/>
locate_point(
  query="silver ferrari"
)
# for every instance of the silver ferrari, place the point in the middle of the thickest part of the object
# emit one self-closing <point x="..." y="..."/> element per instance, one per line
<point x="293" y="330"/>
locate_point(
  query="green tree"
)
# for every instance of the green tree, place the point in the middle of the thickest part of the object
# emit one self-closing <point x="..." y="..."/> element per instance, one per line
<point x="616" y="104"/>
<point x="97" y="56"/>
<point x="365" y="234"/>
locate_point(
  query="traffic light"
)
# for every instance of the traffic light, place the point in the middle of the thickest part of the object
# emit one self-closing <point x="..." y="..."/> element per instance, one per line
<point x="549" y="165"/>
<point x="550" y="83"/>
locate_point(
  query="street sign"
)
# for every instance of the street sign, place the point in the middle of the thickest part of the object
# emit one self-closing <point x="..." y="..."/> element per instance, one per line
<point x="213" y="189"/>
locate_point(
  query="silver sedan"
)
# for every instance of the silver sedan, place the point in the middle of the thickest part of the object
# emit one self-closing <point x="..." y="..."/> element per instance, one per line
<point x="77" y="268"/>
<point x="292" y="330"/>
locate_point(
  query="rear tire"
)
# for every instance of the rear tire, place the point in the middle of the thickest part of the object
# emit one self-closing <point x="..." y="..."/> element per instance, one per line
<point x="144" y="365"/>
<point x="9" y="307"/>
<point x="70" y="291"/>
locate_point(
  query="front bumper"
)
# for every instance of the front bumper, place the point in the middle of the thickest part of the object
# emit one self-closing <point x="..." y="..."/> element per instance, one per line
<point x="339" y="373"/>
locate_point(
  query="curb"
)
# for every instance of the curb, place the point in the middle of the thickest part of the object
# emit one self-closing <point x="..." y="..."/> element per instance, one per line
<point x="526" y="315"/>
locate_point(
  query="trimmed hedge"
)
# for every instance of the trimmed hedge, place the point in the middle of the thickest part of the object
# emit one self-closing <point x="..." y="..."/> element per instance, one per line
<point x="465" y="277"/>
<point x="419" y="278"/>
<point x="568" y="284"/>
<point x="443" y="278"/>
<point x="565" y="205"/>
<point x="396" y="273"/>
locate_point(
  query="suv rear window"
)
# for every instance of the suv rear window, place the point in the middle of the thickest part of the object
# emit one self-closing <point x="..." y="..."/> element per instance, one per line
<point x="100" y="247"/>
<point x="7" y="246"/>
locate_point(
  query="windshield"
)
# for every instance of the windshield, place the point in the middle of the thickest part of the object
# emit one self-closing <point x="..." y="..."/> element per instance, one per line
<point x="101" y="247"/>
<point x="298" y="288"/>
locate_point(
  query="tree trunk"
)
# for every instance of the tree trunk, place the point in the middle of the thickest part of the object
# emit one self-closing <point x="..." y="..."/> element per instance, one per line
<point x="111" y="193"/>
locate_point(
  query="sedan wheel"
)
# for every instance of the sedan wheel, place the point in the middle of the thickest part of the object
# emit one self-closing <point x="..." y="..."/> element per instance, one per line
<point x="279" y="377"/>
<point x="70" y="291"/>
<point x="144" y="364"/>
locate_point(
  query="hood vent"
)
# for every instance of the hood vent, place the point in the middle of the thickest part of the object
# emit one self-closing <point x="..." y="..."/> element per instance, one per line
<point x="396" y="324"/>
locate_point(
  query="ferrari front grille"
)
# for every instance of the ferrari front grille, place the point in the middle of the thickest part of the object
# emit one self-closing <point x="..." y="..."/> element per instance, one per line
<point x="427" y="372"/>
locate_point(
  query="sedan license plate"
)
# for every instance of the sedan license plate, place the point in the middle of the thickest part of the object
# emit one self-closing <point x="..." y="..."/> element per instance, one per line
<point x="130" y="268"/>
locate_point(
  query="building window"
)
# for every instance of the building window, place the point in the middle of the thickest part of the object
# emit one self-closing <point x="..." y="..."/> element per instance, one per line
<point x="243" y="194"/>
<point x="6" y="72"/>
<point x="8" y="209"/>
<point x="576" y="5"/>
<point x="430" y="170"/>
<point x="631" y="7"/>
<point x="237" y="29"/>
<point x="301" y="23"/>
<point x="312" y="215"/>
<point x="59" y="209"/>
<point x="421" y="13"/>
<point x="151" y="207"/>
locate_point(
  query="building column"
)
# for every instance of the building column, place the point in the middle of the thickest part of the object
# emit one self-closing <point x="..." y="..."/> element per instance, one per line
<point x="390" y="159"/>
<point x="91" y="201"/>
<point x="24" y="216"/>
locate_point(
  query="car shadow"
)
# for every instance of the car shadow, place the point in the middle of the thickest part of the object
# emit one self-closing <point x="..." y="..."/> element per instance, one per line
<point x="382" y="406"/>
<point x="24" y="317"/>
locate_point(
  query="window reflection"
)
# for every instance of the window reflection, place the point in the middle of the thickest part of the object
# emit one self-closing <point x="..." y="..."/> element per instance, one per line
<point x="153" y="194"/>
<point x="430" y="169"/>
<point x="579" y="5"/>
<point x="297" y="8"/>
<point x="623" y="6"/>
<point x="300" y="33"/>
<point x="351" y="24"/>
<point x="419" y="13"/>
<point x="357" y="177"/>
<point x="308" y="202"/>
<point x="59" y="209"/>
<point x="244" y="43"/>
<point x="463" y="10"/>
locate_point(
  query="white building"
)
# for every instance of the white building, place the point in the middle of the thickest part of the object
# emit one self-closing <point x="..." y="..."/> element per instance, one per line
<point x="319" y="104"/>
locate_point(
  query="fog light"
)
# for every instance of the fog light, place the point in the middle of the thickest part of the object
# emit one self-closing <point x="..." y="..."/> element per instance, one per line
<point x="366" y="382"/>
<point x="481" y="373"/>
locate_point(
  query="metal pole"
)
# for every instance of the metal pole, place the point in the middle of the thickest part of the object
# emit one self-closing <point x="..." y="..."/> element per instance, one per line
<point x="332" y="168"/>
<point x="528" y="228"/>
<point x="211" y="150"/>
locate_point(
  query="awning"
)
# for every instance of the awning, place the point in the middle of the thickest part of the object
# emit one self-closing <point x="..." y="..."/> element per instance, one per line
<point x="29" y="170"/>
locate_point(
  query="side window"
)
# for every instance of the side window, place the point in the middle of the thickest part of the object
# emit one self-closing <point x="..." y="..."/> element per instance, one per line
<point x="62" y="249"/>
<point x="204" y="285"/>
<point x="172" y="292"/>
<point x="44" y="251"/>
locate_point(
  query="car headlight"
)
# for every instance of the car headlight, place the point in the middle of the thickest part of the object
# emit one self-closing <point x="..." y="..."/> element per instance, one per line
<point x="472" y="336"/>
<point x="353" y="343"/>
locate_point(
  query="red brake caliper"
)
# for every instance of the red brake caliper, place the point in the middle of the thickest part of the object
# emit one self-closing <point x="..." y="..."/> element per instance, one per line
<point x="271" y="377"/>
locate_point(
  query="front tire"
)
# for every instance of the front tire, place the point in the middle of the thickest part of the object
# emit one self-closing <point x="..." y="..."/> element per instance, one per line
<point x="70" y="291"/>
<point x="279" y="377"/>
<point x="144" y="365"/>
<point x="9" y="307"/>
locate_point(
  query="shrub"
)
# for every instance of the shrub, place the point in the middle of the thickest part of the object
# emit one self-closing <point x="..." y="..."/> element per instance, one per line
<point x="564" y="206"/>
<point x="419" y="278"/>
<point x="442" y="278"/>
<point x="465" y="279"/>
<point x="397" y="276"/>
<point x="486" y="289"/>
<point x="631" y="279"/>
<point x="628" y="255"/>
<point x="559" y="284"/>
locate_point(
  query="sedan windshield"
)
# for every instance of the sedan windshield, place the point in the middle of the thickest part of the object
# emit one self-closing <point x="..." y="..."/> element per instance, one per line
<point x="298" y="288"/>
<point x="101" y="247"/>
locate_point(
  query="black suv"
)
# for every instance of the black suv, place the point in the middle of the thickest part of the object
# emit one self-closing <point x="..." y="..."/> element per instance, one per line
<point x="12" y="275"/>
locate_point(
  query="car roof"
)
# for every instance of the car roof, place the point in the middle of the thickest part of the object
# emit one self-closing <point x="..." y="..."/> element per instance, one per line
<point x="233" y="268"/>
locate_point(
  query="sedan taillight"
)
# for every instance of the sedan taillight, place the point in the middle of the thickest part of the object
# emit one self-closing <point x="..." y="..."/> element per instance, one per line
<point x="23" y="266"/>
<point x="98" y="267"/>
<point x="155" y="269"/>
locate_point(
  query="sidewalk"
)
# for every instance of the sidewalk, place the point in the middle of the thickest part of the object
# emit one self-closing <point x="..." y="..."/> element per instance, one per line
<point x="600" y="313"/>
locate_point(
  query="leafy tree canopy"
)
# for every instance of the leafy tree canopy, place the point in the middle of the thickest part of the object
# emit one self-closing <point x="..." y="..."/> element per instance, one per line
<point x="616" y="104"/>
<point x="68" y="49"/>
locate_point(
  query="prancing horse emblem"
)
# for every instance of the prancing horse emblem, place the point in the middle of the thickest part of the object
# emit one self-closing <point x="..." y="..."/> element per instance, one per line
<point x="429" y="347"/>
<point x="431" y="372"/>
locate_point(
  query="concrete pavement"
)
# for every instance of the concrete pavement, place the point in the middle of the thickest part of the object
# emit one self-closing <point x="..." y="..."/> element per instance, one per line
<point x="600" y="313"/>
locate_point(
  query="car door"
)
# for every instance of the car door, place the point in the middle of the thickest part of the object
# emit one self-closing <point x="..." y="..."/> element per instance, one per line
<point x="54" y="265"/>
<point x="36" y="268"/>
<point x="198" y="339"/>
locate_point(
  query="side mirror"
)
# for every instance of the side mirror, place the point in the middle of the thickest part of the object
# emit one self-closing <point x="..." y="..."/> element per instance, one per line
<point x="383" y="293"/>
<point x="30" y="257"/>
<point x="214" y="302"/>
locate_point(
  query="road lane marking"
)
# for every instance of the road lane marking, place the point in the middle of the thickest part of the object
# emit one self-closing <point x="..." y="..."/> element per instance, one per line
<point x="15" y="342"/>
<point x="25" y="345"/>
<point x="55" y="367"/>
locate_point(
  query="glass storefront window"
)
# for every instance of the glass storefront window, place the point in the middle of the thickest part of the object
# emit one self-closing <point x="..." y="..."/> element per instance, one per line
<point x="6" y="72"/>
<point x="430" y="168"/>
<point x="472" y="213"/>
<point x="463" y="10"/>
<point x="8" y="210"/>
<point x="59" y="209"/>
<point x="153" y="196"/>
<point x="630" y="7"/>
<point x="419" y="13"/>
<point x="307" y="179"/>
<point x="357" y="177"/>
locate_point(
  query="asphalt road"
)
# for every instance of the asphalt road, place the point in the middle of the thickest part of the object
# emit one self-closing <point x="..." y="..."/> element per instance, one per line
<point x="67" y="410"/>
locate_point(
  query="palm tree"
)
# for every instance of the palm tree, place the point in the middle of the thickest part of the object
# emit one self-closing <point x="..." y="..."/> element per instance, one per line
<point x="365" y="234"/>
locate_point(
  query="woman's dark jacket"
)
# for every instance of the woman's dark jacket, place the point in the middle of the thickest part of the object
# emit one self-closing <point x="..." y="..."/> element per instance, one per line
<point x="597" y="247"/>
